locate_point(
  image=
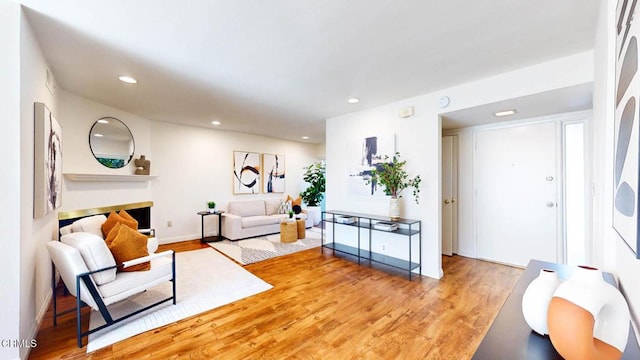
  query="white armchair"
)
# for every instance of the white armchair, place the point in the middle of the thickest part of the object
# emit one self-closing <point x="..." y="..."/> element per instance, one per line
<point x="89" y="271"/>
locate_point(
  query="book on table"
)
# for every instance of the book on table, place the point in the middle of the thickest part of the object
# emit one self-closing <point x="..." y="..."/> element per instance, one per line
<point x="385" y="225"/>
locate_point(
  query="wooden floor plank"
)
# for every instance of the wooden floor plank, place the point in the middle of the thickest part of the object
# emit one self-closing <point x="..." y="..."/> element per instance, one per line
<point x="320" y="307"/>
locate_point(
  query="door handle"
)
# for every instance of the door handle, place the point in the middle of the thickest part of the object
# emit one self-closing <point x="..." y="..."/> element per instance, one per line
<point x="453" y="200"/>
<point x="446" y="201"/>
<point x="551" y="204"/>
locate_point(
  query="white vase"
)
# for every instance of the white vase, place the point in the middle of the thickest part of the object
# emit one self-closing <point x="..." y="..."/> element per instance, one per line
<point x="315" y="213"/>
<point x="394" y="208"/>
<point x="536" y="298"/>
<point x="212" y="210"/>
<point x="585" y="298"/>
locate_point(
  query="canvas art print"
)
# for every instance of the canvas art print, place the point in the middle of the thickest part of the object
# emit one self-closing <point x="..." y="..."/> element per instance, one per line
<point x="246" y="172"/>
<point x="364" y="156"/>
<point x="274" y="173"/>
<point x="47" y="162"/>
<point x="626" y="186"/>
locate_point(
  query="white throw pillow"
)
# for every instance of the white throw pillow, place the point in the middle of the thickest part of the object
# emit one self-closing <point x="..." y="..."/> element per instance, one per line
<point x="95" y="253"/>
<point x="90" y="224"/>
<point x="272" y="206"/>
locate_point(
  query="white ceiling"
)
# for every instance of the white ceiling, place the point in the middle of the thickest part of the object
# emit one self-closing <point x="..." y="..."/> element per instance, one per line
<point x="281" y="67"/>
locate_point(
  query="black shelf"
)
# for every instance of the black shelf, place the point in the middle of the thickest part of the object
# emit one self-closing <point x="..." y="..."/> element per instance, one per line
<point x="373" y="256"/>
<point x="407" y="228"/>
<point x="369" y="225"/>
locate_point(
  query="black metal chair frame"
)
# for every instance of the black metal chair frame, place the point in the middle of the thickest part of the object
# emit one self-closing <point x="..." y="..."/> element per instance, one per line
<point x="93" y="291"/>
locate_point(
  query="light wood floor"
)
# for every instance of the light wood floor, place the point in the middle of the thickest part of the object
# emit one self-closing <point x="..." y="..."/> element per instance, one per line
<point x="320" y="307"/>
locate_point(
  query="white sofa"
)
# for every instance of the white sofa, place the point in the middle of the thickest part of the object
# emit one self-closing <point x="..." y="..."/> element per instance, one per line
<point x="245" y="219"/>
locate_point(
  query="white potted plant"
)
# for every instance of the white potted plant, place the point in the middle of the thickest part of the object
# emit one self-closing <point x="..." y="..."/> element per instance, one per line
<point x="312" y="195"/>
<point x="212" y="206"/>
<point x="394" y="178"/>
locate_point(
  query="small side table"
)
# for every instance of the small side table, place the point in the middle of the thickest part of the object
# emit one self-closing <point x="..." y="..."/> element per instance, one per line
<point x="300" y="223"/>
<point x="288" y="232"/>
<point x="218" y="237"/>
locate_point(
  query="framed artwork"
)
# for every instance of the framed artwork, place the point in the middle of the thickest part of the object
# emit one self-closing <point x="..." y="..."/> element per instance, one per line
<point x="47" y="182"/>
<point x="246" y="172"/>
<point x="274" y="173"/>
<point x="365" y="155"/>
<point x="625" y="181"/>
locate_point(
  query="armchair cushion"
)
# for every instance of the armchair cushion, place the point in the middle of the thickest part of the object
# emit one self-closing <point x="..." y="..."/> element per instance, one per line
<point x="129" y="283"/>
<point x="95" y="253"/>
<point x="90" y="224"/>
<point x="113" y="219"/>
<point x="128" y="244"/>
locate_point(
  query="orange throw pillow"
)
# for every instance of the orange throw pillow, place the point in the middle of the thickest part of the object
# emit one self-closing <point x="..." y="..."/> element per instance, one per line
<point x="297" y="201"/>
<point x="126" y="215"/>
<point x="113" y="219"/>
<point x="112" y="234"/>
<point x="127" y="245"/>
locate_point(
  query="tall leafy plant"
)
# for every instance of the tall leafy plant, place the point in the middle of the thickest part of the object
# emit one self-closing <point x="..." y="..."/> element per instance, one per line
<point x="394" y="178"/>
<point x="315" y="176"/>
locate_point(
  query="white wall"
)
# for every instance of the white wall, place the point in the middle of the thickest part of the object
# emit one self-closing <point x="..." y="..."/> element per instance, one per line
<point x="10" y="179"/>
<point x="617" y="257"/>
<point x="77" y="115"/>
<point x="194" y="165"/>
<point x="35" y="266"/>
<point x="419" y="138"/>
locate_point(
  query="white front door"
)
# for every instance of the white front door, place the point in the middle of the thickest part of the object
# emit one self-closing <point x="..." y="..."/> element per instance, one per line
<point x="516" y="194"/>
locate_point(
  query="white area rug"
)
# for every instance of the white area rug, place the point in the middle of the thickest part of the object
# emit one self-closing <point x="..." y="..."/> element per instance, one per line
<point x="205" y="280"/>
<point x="265" y="247"/>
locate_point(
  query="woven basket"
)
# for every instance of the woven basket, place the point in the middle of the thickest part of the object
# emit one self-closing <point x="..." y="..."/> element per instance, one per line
<point x="288" y="232"/>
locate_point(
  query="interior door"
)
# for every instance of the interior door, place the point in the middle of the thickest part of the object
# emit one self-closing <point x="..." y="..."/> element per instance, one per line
<point x="449" y="194"/>
<point x="516" y="194"/>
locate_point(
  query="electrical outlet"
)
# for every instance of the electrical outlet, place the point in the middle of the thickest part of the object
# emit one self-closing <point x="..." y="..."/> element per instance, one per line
<point x="169" y="223"/>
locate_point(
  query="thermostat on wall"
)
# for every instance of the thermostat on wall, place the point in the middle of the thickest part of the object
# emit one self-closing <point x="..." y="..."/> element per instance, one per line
<point x="444" y="101"/>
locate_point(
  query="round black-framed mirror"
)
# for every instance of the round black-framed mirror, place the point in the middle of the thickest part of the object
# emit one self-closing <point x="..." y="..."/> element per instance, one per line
<point x="111" y="142"/>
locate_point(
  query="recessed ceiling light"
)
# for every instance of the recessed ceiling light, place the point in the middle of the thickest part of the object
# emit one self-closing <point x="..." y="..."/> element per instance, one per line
<point x="98" y="135"/>
<point x="504" y="113"/>
<point x="216" y="122"/>
<point x="103" y="121"/>
<point x="353" y="100"/>
<point x="305" y="138"/>
<point x="128" y="79"/>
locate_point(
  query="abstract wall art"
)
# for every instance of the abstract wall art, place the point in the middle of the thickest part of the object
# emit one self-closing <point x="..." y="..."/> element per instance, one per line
<point x="47" y="182"/>
<point x="246" y="172"/>
<point x="365" y="155"/>
<point x="625" y="181"/>
<point x="274" y="173"/>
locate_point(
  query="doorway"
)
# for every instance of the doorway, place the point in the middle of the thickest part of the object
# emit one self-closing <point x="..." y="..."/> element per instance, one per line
<point x="449" y="195"/>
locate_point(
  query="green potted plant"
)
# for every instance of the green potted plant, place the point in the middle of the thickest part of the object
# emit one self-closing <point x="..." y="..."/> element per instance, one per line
<point x="212" y="206"/>
<point x="394" y="178"/>
<point x="312" y="196"/>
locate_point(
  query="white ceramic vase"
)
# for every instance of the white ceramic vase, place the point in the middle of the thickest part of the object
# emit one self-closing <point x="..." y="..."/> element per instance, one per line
<point x="212" y="210"/>
<point x="394" y="208"/>
<point x="536" y="298"/>
<point x="588" y="316"/>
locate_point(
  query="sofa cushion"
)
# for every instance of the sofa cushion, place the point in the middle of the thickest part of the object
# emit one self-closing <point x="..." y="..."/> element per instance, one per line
<point x="253" y="221"/>
<point x="95" y="253"/>
<point x="247" y="208"/>
<point x="272" y="205"/>
<point x="90" y="224"/>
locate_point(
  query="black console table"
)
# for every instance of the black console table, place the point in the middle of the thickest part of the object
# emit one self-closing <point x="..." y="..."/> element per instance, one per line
<point x="511" y="338"/>
<point x="407" y="229"/>
<point x="215" y="237"/>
